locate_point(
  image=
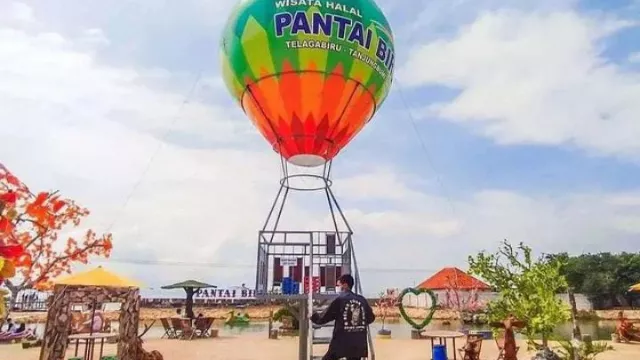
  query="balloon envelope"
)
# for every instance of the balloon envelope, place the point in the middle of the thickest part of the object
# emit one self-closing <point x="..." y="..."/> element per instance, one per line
<point x="310" y="74"/>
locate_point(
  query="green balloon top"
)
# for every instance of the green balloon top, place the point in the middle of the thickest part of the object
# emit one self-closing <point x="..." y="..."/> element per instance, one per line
<point x="266" y="38"/>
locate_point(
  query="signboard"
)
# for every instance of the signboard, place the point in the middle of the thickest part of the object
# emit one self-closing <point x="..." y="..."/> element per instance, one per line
<point x="352" y="32"/>
<point x="238" y="293"/>
<point x="289" y="262"/>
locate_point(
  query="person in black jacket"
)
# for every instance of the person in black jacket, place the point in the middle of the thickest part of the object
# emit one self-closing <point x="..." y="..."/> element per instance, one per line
<point x="352" y="315"/>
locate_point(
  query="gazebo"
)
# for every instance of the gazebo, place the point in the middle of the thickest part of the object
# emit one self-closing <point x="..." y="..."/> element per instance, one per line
<point x="453" y="278"/>
<point x="91" y="287"/>
<point x="446" y="280"/>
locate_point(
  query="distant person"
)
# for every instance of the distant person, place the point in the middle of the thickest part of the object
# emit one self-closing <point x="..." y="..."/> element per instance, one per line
<point x="352" y="315"/>
<point x="19" y="329"/>
<point x="94" y="320"/>
<point x="9" y="325"/>
<point x="179" y="313"/>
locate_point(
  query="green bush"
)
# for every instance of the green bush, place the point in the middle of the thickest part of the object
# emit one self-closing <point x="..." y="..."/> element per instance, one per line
<point x="586" y="351"/>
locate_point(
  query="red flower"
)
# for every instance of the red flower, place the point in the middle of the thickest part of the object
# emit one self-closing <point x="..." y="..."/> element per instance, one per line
<point x="6" y="226"/>
<point x="58" y="204"/>
<point x="9" y="197"/>
<point x="11" y="251"/>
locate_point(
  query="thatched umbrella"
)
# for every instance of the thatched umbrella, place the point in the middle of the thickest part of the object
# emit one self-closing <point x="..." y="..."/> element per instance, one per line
<point x="190" y="287"/>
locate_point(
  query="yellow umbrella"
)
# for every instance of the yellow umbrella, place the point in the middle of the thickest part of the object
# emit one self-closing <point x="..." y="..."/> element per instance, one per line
<point x="635" y="287"/>
<point x="97" y="277"/>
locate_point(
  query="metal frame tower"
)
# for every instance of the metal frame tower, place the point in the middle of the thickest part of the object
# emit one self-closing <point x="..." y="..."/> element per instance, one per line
<point x="313" y="259"/>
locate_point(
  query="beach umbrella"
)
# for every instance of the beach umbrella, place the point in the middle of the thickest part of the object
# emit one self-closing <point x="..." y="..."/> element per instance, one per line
<point x="97" y="277"/>
<point x="190" y="287"/>
<point x="635" y="287"/>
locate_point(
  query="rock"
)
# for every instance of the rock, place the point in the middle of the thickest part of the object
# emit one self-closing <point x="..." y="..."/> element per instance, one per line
<point x="546" y="354"/>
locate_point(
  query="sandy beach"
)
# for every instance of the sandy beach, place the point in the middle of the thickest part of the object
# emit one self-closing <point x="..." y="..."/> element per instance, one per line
<point x="232" y="346"/>
<point x="235" y="348"/>
<point x="262" y="313"/>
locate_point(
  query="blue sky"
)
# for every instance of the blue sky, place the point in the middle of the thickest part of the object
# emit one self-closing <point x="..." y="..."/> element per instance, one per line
<point x="507" y="119"/>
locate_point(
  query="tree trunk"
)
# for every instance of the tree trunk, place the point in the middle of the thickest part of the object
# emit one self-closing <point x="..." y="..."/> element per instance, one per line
<point x="13" y="300"/>
<point x="576" y="328"/>
<point x="545" y="341"/>
<point x="574" y="315"/>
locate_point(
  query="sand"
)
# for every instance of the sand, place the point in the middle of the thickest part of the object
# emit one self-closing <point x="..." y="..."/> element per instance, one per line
<point x="257" y="346"/>
<point x="262" y="312"/>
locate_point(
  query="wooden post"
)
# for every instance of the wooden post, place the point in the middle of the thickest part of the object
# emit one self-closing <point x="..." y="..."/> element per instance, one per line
<point x="273" y="333"/>
<point x="303" y="334"/>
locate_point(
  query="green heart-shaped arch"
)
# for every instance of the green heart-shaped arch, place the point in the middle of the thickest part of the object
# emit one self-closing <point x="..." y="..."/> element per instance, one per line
<point x="432" y="310"/>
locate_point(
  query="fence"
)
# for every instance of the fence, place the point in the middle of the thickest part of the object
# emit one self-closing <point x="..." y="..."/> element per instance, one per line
<point x="21" y="306"/>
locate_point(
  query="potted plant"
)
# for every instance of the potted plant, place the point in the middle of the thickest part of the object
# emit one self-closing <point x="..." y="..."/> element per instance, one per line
<point x="289" y="321"/>
<point x="386" y="301"/>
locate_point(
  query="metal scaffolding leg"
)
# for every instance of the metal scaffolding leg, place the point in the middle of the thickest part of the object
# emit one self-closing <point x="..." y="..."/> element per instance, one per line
<point x="275" y="243"/>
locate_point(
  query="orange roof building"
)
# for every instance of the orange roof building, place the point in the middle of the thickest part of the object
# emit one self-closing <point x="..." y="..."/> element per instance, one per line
<point x="453" y="278"/>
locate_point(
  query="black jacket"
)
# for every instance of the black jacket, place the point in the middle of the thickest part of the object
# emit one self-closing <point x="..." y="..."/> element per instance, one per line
<point x="352" y="315"/>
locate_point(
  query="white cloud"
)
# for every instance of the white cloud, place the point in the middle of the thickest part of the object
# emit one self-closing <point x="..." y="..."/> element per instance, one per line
<point x="90" y="130"/>
<point x="69" y="121"/>
<point x="534" y="78"/>
<point x="18" y="12"/>
<point x="371" y="184"/>
<point x="634" y="57"/>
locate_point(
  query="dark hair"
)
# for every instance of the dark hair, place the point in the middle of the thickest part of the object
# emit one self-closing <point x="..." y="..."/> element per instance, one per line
<point x="347" y="279"/>
<point x="178" y="310"/>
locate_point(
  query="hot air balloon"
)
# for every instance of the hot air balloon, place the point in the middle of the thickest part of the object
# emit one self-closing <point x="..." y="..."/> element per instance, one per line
<point x="309" y="74"/>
